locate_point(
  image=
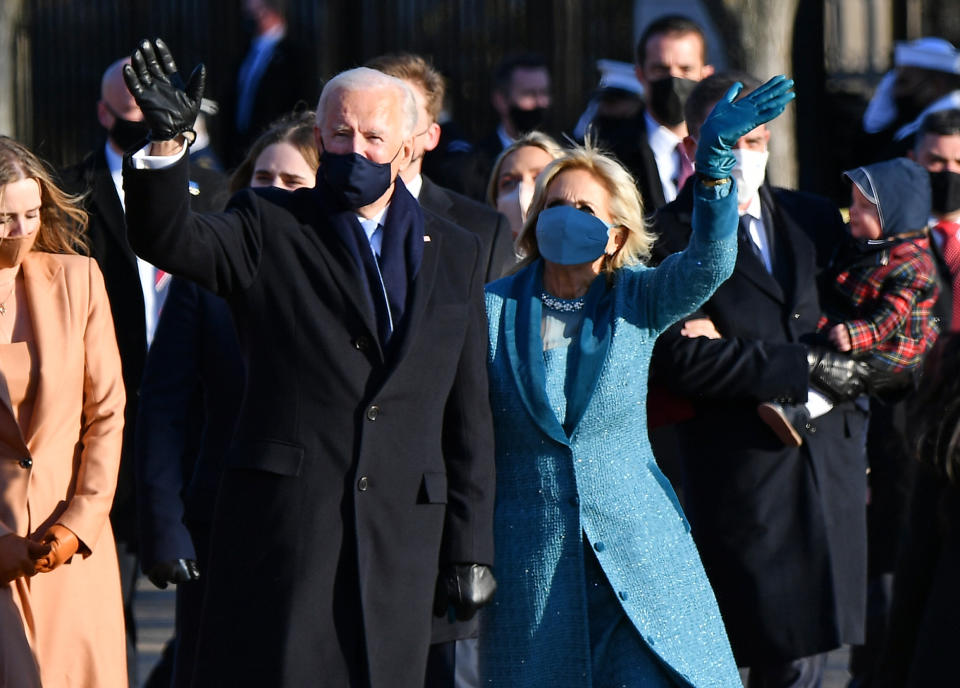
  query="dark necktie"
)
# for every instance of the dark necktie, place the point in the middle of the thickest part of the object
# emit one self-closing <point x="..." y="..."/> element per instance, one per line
<point x="745" y="235"/>
<point x="378" y="290"/>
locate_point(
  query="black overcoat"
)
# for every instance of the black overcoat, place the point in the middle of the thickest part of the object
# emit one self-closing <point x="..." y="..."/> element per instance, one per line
<point x="354" y="473"/>
<point x="781" y="530"/>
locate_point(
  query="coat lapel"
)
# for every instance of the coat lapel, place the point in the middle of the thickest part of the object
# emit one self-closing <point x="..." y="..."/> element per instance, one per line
<point x="346" y="267"/>
<point x="422" y="289"/>
<point x="521" y="328"/>
<point x="48" y="317"/>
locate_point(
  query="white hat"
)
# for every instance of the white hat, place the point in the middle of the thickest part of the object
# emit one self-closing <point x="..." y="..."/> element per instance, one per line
<point x="621" y="75"/>
<point x="928" y="53"/>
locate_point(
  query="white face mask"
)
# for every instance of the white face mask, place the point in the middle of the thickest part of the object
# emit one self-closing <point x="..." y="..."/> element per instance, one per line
<point x="750" y="171"/>
<point x="515" y="205"/>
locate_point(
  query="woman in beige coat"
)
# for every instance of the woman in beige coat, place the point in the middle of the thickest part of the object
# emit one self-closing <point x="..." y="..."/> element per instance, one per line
<point x="61" y="422"/>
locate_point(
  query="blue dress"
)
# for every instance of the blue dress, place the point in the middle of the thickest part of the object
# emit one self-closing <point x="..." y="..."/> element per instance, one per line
<point x="600" y="583"/>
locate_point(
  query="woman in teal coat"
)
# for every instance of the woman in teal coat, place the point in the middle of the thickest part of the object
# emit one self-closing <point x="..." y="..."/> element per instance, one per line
<point x="599" y="581"/>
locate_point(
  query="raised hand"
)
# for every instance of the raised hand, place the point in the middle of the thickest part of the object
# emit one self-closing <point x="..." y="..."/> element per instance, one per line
<point x="730" y="120"/>
<point x="169" y="108"/>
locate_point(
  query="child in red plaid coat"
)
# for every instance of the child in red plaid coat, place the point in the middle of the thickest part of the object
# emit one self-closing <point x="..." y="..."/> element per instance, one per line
<point x="880" y="290"/>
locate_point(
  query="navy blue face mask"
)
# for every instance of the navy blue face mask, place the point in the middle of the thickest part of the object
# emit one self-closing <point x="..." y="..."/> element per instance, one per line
<point x="567" y="236"/>
<point x="357" y="180"/>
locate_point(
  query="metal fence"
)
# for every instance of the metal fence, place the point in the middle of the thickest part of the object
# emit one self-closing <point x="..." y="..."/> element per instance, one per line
<point x="63" y="46"/>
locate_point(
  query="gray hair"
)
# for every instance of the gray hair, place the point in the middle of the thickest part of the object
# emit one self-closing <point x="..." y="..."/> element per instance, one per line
<point x="365" y="79"/>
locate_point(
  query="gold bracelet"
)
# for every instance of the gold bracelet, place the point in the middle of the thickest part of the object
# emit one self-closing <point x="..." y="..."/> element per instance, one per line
<point x="711" y="183"/>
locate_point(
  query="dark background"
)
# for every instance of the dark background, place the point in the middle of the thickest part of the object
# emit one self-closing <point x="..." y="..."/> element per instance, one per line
<point x="63" y="46"/>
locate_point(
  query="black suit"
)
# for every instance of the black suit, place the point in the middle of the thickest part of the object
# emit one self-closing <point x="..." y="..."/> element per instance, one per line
<point x="631" y="147"/>
<point x="287" y="80"/>
<point x="781" y="530"/>
<point x="486" y="223"/>
<point x="355" y="472"/>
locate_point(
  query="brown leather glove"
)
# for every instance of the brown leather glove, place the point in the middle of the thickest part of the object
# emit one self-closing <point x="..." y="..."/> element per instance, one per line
<point x="63" y="544"/>
<point x="18" y="556"/>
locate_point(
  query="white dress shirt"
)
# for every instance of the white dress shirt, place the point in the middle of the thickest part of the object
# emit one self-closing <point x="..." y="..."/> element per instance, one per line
<point x="663" y="143"/>
<point x="154" y="293"/>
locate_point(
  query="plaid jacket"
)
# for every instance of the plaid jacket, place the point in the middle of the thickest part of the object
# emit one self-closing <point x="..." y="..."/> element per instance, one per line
<point x="885" y="298"/>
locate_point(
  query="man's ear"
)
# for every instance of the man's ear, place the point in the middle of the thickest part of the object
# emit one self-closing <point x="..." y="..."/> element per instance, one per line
<point x="318" y="138"/>
<point x="104" y="116"/>
<point x="707" y="70"/>
<point x="432" y="137"/>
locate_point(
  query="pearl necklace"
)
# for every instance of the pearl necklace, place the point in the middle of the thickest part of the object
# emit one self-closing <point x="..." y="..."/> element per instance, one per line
<point x="562" y="305"/>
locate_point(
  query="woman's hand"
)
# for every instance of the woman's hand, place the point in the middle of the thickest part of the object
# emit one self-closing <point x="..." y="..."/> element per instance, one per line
<point x="62" y="543"/>
<point x="18" y="556"/>
<point x="700" y="327"/>
<point x="839" y="336"/>
<point x="730" y="120"/>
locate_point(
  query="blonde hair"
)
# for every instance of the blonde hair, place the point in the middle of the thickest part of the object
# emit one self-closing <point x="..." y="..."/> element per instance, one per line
<point x="626" y="207"/>
<point x="535" y="139"/>
<point x="63" y="222"/>
<point x="411" y="67"/>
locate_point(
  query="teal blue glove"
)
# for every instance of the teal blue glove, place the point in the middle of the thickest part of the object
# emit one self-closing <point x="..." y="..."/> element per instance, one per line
<point x="729" y="120"/>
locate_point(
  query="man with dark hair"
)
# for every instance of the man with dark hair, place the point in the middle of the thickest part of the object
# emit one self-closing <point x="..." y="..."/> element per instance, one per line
<point x="937" y="148"/>
<point x="490" y="226"/>
<point x="781" y="529"/>
<point x="671" y="58"/>
<point x="275" y="75"/>
<point x="521" y="99"/>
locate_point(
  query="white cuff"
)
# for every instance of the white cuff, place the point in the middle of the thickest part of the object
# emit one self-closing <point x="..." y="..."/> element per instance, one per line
<point x="142" y="160"/>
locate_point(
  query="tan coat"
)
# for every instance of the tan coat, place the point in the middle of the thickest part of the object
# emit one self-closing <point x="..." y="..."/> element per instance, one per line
<point x="63" y="469"/>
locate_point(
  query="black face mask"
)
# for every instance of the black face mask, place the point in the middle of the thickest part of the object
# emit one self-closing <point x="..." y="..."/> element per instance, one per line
<point x="944" y="192"/>
<point x="667" y="97"/>
<point x="355" y="179"/>
<point x="526" y="120"/>
<point x="126" y="133"/>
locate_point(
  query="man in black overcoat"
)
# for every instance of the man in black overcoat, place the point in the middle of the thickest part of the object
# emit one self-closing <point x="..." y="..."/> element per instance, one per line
<point x="362" y="468"/>
<point x="134" y="291"/>
<point x="781" y="530"/>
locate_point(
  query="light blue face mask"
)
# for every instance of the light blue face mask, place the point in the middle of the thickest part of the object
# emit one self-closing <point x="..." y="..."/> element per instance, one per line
<point x="568" y="236"/>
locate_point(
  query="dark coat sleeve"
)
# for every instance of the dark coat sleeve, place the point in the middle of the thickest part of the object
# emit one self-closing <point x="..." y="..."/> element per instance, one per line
<point x="502" y="257"/>
<point x="166" y="430"/>
<point x="219" y="251"/>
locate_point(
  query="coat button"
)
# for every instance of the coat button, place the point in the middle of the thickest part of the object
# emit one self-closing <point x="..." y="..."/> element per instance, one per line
<point x="623" y="595"/>
<point x="26" y="462"/>
<point x="363" y="484"/>
<point x="373" y="412"/>
<point x="599" y="546"/>
<point x="361" y="343"/>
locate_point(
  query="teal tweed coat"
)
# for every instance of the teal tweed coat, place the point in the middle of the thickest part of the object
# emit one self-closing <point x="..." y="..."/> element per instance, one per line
<point x="599" y="481"/>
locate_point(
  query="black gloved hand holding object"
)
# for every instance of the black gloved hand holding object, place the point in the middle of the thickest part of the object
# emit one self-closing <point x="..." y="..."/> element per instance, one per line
<point x="839" y="376"/>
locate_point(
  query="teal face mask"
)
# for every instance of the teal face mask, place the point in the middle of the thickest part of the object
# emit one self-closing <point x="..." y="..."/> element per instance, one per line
<point x="568" y="236"/>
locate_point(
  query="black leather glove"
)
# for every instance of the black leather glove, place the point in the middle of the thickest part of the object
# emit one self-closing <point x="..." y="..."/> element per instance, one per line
<point x="169" y="108"/>
<point x="173" y="571"/>
<point x="465" y="587"/>
<point x="839" y="376"/>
